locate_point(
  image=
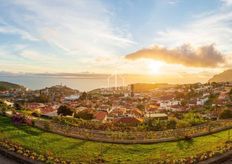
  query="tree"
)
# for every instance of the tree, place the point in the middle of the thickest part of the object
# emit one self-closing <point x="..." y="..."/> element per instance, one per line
<point x="171" y="124"/>
<point x="18" y="106"/>
<point x="226" y="114"/>
<point x="64" y="110"/>
<point x="83" y="96"/>
<point x="141" y="106"/>
<point x="85" y="115"/>
<point x="193" y="119"/>
<point x="3" y="107"/>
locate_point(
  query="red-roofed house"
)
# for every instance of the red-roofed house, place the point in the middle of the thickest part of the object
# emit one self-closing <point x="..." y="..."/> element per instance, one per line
<point x="101" y="116"/>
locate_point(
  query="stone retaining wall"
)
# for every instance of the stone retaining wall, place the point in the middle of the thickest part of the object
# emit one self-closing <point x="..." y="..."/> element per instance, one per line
<point x="133" y="137"/>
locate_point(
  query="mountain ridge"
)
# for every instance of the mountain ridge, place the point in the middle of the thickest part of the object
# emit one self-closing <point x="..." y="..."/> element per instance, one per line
<point x="225" y="76"/>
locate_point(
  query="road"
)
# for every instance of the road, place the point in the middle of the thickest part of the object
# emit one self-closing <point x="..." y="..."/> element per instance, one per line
<point x="5" y="160"/>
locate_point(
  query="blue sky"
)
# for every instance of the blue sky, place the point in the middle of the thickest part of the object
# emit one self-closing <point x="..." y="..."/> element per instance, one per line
<point x="95" y="36"/>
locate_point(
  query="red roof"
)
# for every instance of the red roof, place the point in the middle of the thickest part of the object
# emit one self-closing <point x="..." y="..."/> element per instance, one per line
<point x="100" y="115"/>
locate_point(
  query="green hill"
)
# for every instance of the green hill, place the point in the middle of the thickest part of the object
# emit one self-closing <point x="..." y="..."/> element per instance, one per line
<point x="9" y="86"/>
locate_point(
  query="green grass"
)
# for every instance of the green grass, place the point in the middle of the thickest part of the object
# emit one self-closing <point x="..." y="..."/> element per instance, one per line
<point x="80" y="150"/>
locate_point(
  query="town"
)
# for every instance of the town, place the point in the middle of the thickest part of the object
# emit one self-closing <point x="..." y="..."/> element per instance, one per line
<point x="168" y="106"/>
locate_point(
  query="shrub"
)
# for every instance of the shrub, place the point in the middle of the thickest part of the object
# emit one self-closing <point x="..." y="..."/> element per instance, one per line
<point x="64" y="110"/>
<point x="18" y="106"/>
<point x="3" y="108"/>
<point x="36" y="113"/>
<point x="193" y="119"/>
<point x="226" y="114"/>
<point x="21" y="119"/>
<point x="171" y="124"/>
<point x="182" y="124"/>
<point x="17" y="119"/>
<point x="85" y="115"/>
<point x="154" y="124"/>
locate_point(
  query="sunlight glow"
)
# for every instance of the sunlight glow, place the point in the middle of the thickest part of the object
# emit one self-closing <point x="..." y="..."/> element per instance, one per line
<point x="155" y="67"/>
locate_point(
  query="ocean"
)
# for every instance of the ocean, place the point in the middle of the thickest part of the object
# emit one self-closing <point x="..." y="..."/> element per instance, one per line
<point x="81" y="83"/>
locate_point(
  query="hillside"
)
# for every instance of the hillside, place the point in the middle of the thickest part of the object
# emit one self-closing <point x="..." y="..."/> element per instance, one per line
<point x="225" y="76"/>
<point x="9" y="86"/>
<point x="58" y="90"/>
<point x="143" y="87"/>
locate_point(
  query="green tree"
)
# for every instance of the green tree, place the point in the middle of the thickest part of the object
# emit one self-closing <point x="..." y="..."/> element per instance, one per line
<point x="193" y="119"/>
<point x="225" y="114"/>
<point x="141" y="106"/>
<point x="85" y="115"/>
<point x="18" y="106"/>
<point x="64" y="110"/>
<point x="171" y="124"/>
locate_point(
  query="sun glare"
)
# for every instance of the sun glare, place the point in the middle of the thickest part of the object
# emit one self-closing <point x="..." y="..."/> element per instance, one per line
<point x="154" y="67"/>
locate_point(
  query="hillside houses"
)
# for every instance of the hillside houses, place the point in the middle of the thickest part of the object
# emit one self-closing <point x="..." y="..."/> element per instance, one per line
<point x="159" y="103"/>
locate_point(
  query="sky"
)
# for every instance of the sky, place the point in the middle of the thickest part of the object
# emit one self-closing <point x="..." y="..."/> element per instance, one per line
<point x="157" y="37"/>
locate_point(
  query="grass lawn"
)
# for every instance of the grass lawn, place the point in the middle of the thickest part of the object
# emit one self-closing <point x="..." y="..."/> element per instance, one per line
<point x="80" y="150"/>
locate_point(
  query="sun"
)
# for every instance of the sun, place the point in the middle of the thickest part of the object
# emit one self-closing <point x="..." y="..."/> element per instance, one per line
<point x="154" y="67"/>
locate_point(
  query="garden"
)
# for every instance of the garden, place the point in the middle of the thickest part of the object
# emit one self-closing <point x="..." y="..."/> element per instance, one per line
<point x="52" y="148"/>
<point x="149" y="132"/>
<point x="19" y="134"/>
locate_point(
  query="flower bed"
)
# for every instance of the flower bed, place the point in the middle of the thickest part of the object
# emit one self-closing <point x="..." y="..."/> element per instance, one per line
<point x="200" y="157"/>
<point x="19" y="119"/>
<point x="27" y="153"/>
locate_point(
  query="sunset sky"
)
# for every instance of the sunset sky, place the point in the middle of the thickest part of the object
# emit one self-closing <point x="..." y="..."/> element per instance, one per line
<point x="155" y="37"/>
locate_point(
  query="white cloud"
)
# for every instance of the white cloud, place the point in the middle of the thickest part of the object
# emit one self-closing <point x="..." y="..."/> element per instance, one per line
<point x="213" y="27"/>
<point x="227" y="2"/>
<point x="8" y="29"/>
<point x="77" y="27"/>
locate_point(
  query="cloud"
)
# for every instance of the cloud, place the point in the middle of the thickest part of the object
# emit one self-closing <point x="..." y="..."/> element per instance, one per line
<point x="205" y="56"/>
<point x="72" y="26"/>
<point x="75" y="32"/>
<point x="227" y="2"/>
<point x="5" y="28"/>
<point x="213" y="26"/>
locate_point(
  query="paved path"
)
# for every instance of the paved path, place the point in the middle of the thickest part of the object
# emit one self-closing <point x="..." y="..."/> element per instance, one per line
<point x="5" y="160"/>
<point x="228" y="161"/>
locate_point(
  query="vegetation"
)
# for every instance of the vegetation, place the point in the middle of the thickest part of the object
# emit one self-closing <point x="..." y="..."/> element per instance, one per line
<point x="84" y="115"/>
<point x="211" y="100"/>
<point x="141" y="107"/>
<point x="87" y="152"/>
<point x="84" y="96"/>
<point x="8" y="86"/>
<point x="36" y="113"/>
<point x="230" y="95"/>
<point x="64" y="110"/>
<point x="226" y="114"/>
<point x="18" y="106"/>
<point x="193" y="119"/>
<point x="3" y="107"/>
